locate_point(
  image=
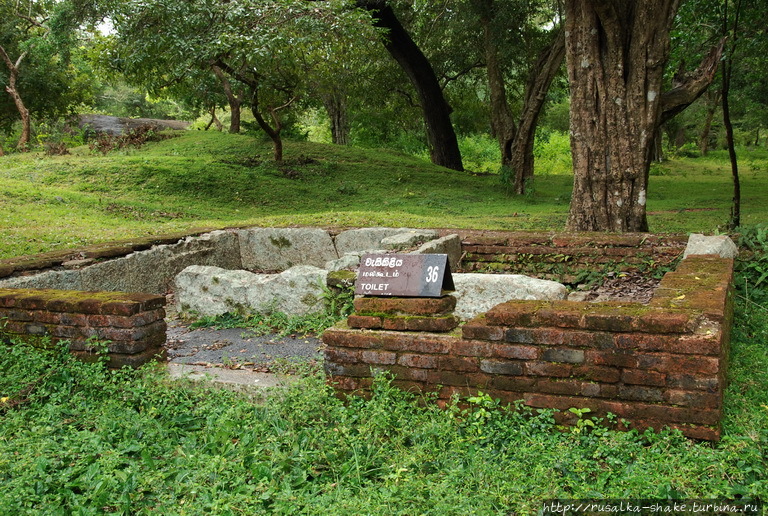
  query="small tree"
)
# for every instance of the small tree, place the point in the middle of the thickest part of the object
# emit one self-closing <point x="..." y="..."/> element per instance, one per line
<point x="38" y="66"/>
<point x="265" y="48"/>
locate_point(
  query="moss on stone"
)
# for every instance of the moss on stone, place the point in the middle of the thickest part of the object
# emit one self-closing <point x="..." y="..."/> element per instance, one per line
<point x="280" y="242"/>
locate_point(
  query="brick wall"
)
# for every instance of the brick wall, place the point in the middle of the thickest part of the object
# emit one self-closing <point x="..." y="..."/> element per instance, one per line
<point x="661" y="364"/>
<point x="565" y="257"/>
<point x="132" y="324"/>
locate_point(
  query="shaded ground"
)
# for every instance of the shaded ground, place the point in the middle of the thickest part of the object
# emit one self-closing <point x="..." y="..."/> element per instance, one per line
<point x="238" y="348"/>
<point x="631" y="287"/>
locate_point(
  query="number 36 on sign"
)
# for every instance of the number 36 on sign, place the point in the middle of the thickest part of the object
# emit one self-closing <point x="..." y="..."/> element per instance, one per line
<point x="407" y="275"/>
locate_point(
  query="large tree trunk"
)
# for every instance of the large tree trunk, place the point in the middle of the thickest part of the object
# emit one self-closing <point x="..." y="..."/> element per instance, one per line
<point x="542" y="75"/>
<point x="616" y="54"/>
<point x="234" y="101"/>
<point x="336" y="106"/>
<point x="616" y="51"/>
<point x="444" y="147"/>
<point x="10" y="88"/>
<point x="713" y="101"/>
<point x="516" y="140"/>
<point x="503" y="124"/>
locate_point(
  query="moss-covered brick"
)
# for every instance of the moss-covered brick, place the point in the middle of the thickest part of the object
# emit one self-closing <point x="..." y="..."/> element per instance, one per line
<point x="364" y="321"/>
<point x="696" y="399"/>
<point x="504" y="367"/>
<point x="612" y="322"/>
<point x="670" y="363"/>
<point x="565" y="355"/>
<point x="425" y="324"/>
<point x="666" y="321"/>
<point x="343" y="355"/>
<point x="471" y="348"/>
<point x="378" y="357"/>
<point x="614" y="358"/>
<point x="567" y="386"/>
<point x="408" y="373"/>
<point x="515" y="351"/>
<point x="348" y="338"/>
<point x="517" y="384"/>
<point x="345" y="370"/>
<point x="514" y="313"/>
<point x="642" y="377"/>
<point x="560" y="315"/>
<point x="405" y="305"/>
<point x="594" y="373"/>
<point x="479" y="329"/>
<point x="119" y="360"/>
<point x="690" y="381"/>
<point x="121" y="321"/>
<point x="458" y="378"/>
<point x="555" y="370"/>
<point x="419" y="361"/>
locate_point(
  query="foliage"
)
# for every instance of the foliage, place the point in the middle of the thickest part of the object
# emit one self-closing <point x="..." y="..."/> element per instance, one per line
<point x="338" y="305"/>
<point x="752" y="270"/>
<point x="209" y="179"/>
<point x="122" y="100"/>
<point x="552" y="150"/>
<point x="86" y="439"/>
<point x="480" y="153"/>
<point x="54" y="76"/>
<point x="275" y="51"/>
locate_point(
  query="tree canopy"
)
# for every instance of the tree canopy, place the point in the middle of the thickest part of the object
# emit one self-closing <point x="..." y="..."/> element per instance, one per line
<point x="417" y="76"/>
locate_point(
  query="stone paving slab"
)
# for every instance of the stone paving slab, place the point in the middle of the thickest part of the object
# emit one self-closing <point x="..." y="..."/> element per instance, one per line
<point x="237" y="380"/>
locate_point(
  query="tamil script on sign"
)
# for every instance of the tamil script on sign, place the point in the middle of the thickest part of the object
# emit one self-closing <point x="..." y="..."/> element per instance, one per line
<point x="409" y="275"/>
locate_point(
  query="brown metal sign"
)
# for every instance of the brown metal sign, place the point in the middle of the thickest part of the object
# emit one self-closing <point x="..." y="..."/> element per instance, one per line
<point x="407" y="275"/>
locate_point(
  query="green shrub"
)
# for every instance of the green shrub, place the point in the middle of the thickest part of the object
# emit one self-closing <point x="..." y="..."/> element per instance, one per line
<point x="552" y="153"/>
<point x="480" y="153"/>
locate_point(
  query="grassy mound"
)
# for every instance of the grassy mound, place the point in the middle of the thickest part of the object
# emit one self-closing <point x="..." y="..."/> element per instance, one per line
<point x="210" y="179"/>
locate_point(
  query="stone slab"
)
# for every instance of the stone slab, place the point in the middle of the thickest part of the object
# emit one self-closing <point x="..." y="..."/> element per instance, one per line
<point x="477" y="293"/>
<point x="278" y="249"/>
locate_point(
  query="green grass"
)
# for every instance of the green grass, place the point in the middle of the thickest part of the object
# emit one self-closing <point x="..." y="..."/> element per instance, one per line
<point x="78" y="439"/>
<point x="211" y="179"/>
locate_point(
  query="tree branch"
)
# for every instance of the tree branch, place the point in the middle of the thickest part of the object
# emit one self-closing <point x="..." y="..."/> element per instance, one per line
<point x="461" y="73"/>
<point x="692" y="85"/>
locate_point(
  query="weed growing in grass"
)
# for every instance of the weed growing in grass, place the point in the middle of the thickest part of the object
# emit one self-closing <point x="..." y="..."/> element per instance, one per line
<point x="135" y="442"/>
<point x="752" y="272"/>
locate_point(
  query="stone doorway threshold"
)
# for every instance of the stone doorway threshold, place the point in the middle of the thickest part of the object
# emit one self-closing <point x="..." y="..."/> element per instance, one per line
<point x="237" y="380"/>
<point x="235" y="358"/>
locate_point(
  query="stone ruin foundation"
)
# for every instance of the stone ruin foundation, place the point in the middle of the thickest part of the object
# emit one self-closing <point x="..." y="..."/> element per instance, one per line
<point x="654" y="364"/>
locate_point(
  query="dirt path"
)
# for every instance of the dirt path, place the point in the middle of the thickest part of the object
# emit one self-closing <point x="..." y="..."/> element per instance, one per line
<point x="237" y="348"/>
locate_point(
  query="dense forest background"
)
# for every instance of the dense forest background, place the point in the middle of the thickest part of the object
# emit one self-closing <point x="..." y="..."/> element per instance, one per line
<point x="514" y="88"/>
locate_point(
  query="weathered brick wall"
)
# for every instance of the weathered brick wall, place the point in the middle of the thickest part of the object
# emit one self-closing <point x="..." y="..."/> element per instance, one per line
<point x="566" y="257"/>
<point x="656" y="365"/>
<point x="132" y="325"/>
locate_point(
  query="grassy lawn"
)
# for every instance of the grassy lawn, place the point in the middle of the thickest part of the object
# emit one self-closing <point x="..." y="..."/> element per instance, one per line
<point x="211" y="179"/>
<point x="78" y="439"/>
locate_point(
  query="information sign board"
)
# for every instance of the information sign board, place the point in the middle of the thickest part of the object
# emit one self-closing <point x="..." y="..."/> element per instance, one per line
<point x="407" y="275"/>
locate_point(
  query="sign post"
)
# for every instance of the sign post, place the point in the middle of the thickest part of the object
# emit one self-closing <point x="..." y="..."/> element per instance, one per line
<point x="406" y="275"/>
